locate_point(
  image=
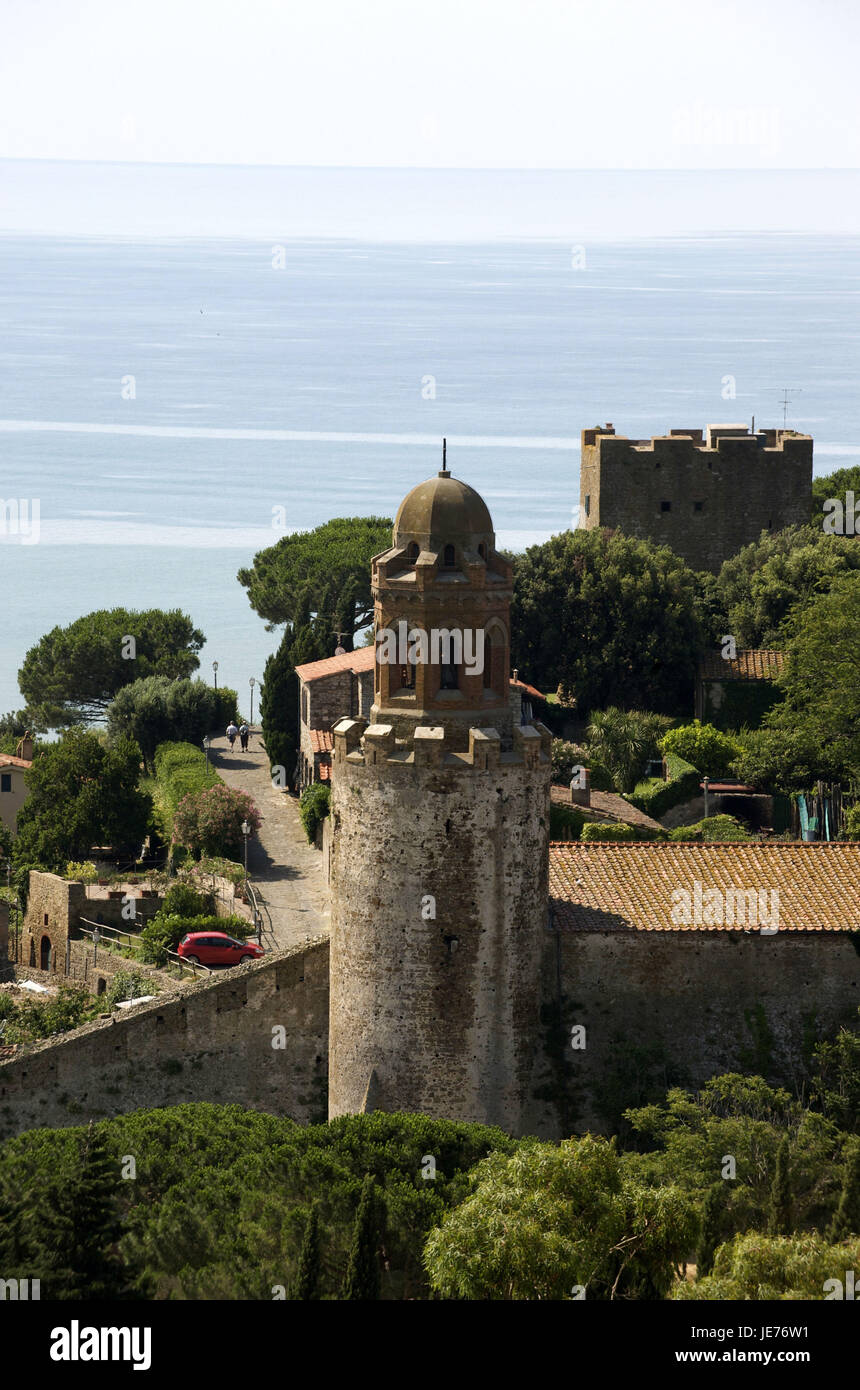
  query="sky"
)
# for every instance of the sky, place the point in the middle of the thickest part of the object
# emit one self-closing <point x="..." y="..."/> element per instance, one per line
<point x="459" y="84"/>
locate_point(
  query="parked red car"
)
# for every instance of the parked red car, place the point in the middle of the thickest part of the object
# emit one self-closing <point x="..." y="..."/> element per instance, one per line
<point x="217" y="948"/>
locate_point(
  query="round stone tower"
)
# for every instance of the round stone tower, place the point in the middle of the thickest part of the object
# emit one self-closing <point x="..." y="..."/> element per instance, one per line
<point x="440" y="813"/>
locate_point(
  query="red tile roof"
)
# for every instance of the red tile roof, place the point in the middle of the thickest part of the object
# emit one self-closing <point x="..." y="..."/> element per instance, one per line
<point x="629" y="887"/>
<point x="323" y="772"/>
<point x="752" y="664"/>
<point x="606" y="806"/>
<point x="322" y="740"/>
<point x="360" y="660"/>
<point x="7" y="760"/>
<point x="528" y="689"/>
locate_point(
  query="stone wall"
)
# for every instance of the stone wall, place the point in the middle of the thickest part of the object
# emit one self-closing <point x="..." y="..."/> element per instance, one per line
<point x="211" y="1041"/>
<point x="705" y="502"/>
<point x="663" y="1009"/>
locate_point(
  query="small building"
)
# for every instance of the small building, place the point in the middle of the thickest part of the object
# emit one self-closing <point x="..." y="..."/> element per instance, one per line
<point x="735" y="691"/>
<point x="338" y="687"/>
<point x="13" y="787"/>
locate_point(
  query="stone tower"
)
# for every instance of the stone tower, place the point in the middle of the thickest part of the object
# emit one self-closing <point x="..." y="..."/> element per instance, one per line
<point x="440" y="817"/>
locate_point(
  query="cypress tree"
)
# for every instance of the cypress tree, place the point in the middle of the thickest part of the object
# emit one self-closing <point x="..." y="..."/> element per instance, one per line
<point x="779" y="1216"/>
<point x="279" y="710"/>
<point x="362" y="1274"/>
<point x="78" y="1228"/>
<point x="307" y="1275"/>
<point x="712" y="1215"/>
<point x="846" y="1221"/>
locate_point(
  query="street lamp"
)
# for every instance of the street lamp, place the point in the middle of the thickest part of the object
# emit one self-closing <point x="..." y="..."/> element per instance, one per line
<point x="252" y="682"/>
<point x="246" y="830"/>
<point x="215" y="670"/>
<point x="206" y="742"/>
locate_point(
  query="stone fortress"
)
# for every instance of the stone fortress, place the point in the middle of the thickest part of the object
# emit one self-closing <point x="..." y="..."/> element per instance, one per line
<point x="707" y="497"/>
<point x="475" y="971"/>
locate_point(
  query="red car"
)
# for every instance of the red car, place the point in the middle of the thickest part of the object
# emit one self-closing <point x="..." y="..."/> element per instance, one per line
<point x="217" y="948"/>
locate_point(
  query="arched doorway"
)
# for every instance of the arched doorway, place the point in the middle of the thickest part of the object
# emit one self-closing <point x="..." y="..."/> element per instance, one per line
<point x="45" y="953"/>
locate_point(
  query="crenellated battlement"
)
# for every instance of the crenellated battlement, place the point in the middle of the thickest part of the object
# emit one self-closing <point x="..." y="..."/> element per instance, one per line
<point x="358" y="743"/>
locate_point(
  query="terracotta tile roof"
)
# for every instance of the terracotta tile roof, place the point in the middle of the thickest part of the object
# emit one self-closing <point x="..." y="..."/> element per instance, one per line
<point x="529" y="690"/>
<point x="323" y="772"/>
<point x="629" y="887"/>
<point x="7" y="760"/>
<point x="606" y="806"/>
<point x="752" y="664"/>
<point x="360" y="660"/>
<point x="322" y="740"/>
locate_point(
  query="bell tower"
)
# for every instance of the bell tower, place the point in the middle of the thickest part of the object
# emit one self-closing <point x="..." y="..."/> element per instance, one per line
<point x="440" y="818"/>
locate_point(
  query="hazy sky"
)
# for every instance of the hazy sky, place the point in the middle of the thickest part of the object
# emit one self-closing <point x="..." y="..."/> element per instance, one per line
<point x="671" y="84"/>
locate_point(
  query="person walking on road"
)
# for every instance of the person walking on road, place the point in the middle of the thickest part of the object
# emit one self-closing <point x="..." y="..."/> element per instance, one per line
<point x="244" y="733"/>
<point x="232" y="731"/>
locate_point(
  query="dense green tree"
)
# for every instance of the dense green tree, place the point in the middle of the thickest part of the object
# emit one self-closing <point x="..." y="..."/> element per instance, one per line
<point x="362" y="1273"/>
<point x="757" y="1266"/>
<point x="710" y="1236"/>
<point x="279" y="713"/>
<point x="622" y="741"/>
<point x="783" y="760"/>
<point x="835" y="1083"/>
<point x="780" y="1222"/>
<point x="836" y="485"/>
<point x="73" y="673"/>
<point x="608" y="620"/>
<point x="304" y="1285"/>
<point x="322" y="574"/>
<point x="768" y="580"/>
<point x="553" y="1219"/>
<point x="158" y="710"/>
<point x="707" y="749"/>
<point x="846" y="1221"/>
<point x="81" y="794"/>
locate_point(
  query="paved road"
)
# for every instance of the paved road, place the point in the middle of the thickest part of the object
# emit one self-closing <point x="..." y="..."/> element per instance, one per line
<point x="281" y="863"/>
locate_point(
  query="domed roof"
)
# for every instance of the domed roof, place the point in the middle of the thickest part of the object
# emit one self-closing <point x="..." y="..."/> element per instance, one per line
<point x="442" y="509"/>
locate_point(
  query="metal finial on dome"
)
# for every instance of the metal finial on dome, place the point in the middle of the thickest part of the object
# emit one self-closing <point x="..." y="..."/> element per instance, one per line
<point x="443" y="472"/>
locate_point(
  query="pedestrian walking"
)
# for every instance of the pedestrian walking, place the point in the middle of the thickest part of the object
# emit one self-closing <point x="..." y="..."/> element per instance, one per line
<point x="244" y="733"/>
<point x="232" y="731"/>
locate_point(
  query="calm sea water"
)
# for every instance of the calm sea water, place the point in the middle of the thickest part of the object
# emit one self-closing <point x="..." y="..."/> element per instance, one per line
<point x="260" y="387"/>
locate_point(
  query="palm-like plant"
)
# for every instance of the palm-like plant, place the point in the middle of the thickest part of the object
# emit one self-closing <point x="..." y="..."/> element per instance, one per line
<point x="623" y="740"/>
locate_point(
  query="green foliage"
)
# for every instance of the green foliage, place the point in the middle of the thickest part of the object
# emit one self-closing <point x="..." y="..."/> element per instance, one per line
<point x="165" y="930"/>
<point x="550" y="1218"/>
<point x="34" y="1019"/>
<point x="180" y="769"/>
<point x="362" y="1273"/>
<point x="741" y="705"/>
<point x="158" y="710"/>
<point x="81" y="794"/>
<point x="304" y="1286"/>
<point x="565" y="822"/>
<point x="609" y="619"/>
<point x="834" y="485"/>
<point x="835" y="1083"/>
<point x="210" y="822"/>
<point x="764" y="583"/>
<point x="566" y="756"/>
<point x="851" y="827"/>
<point x="779" y="1213"/>
<point x="129" y="984"/>
<point x="622" y="741"/>
<point x="782" y="760"/>
<point x="324" y="573"/>
<point x="713" y="1209"/>
<point x="609" y="831"/>
<point x="759" y="1267"/>
<point x="712" y="828"/>
<point x="279" y="711"/>
<point x="184" y="900"/>
<point x="314" y="806"/>
<point x="846" y="1221"/>
<point x="658" y="797"/>
<point x="74" y="672"/>
<point x="703" y="747"/>
<point x="81" y="872"/>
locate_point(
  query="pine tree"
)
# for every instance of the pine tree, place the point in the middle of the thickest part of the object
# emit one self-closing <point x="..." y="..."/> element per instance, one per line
<point x="305" y="1283"/>
<point x="78" y="1228"/>
<point x="846" y="1221"/>
<point x="779" y="1216"/>
<point x="712" y="1216"/>
<point x="362" y="1274"/>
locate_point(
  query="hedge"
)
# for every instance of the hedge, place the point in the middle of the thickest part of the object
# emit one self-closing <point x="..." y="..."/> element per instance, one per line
<point x="683" y="784"/>
<point x="596" y="830"/>
<point x="712" y="828"/>
<point x="180" y="768"/>
<point x="565" y="822"/>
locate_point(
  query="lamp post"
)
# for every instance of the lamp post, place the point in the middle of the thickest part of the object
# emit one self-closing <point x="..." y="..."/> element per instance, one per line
<point x="705" y="784"/>
<point x="215" y="671"/>
<point x="206" y="742"/>
<point x="246" y="831"/>
<point x="252" y="682"/>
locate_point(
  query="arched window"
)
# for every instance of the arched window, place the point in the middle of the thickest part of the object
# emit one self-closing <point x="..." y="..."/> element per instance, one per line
<point x="448" y="559"/>
<point x="482" y="551"/>
<point x="488" y="661"/>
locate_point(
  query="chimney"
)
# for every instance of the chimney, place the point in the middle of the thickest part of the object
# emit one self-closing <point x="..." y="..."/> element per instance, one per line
<point x="25" y="747"/>
<point x="580" y="788"/>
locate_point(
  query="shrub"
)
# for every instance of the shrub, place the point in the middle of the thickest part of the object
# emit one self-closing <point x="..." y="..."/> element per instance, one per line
<point x="704" y="747"/>
<point x="210" y="822"/>
<point x="82" y="871"/>
<point x="128" y="984"/>
<point x="619" y="830"/>
<point x="851" y="828"/>
<point x="756" y="1266"/>
<point x="712" y="828"/>
<point x="183" y="900"/>
<point x="314" y="806"/>
<point x="180" y="769"/>
<point x="682" y="784"/>
<point x="565" y="819"/>
<point x="165" y="932"/>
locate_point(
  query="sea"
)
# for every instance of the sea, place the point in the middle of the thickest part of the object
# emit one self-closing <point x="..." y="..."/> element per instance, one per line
<point x="194" y="363"/>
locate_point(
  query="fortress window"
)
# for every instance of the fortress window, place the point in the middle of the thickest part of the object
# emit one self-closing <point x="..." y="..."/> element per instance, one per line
<point x="698" y="506"/>
<point x="449" y="676"/>
<point x="665" y="506"/>
<point x="448" y="557"/>
<point x="588" y="504"/>
<point x="5" y="781"/>
<point x="407" y="677"/>
<point x="412" y="552"/>
<point x="482" y="551"/>
<point x="656" y="463"/>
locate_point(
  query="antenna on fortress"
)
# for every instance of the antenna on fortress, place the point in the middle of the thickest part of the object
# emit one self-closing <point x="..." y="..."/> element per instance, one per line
<point x="787" y="392"/>
<point x="444" y="472"/>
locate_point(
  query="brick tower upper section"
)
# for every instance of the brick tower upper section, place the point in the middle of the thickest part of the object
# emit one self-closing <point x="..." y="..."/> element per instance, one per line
<point x="705" y="497"/>
<point x="443" y="575"/>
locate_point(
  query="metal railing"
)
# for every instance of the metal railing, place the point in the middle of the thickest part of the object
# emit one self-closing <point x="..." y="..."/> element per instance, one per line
<point x="191" y="967"/>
